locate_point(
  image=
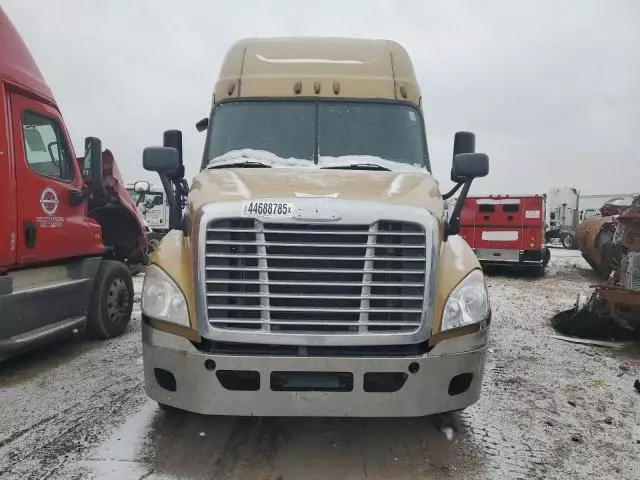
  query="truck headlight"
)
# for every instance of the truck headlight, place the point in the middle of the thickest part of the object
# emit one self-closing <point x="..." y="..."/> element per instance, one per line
<point x="162" y="299"/>
<point x="468" y="303"/>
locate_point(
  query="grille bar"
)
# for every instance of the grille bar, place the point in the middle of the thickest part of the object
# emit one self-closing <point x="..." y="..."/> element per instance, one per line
<point x="235" y="321"/>
<point x="324" y="270"/>
<point x="260" y="308"/>
<point x="308" y="232"/>
<point x="359" y="279"/>
<point x="311" y="245"/>
<point x="309" y="296"/>
<point x="316" y="284"/>
<point x="318" y="257"/>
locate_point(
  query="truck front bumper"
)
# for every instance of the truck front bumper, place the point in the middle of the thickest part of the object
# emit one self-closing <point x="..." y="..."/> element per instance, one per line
<point x="447" y="378"/>
<point x="506" y="257"/>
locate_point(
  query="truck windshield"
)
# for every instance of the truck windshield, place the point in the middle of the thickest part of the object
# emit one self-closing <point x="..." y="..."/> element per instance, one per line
<point x="298" y="129"/>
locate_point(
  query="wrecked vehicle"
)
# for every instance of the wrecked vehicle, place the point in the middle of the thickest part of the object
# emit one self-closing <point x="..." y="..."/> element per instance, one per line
<point x="595" y="236"/>
<point x="614" y="307"/>
<point x="313" y="273"/>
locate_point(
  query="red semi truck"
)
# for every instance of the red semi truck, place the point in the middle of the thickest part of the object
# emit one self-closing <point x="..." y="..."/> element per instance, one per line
<point x="506" y="230"/>
<point x="69" y="232"/>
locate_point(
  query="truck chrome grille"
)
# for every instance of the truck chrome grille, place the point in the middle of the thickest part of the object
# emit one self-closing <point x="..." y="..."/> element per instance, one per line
<point x="324" y="279"/>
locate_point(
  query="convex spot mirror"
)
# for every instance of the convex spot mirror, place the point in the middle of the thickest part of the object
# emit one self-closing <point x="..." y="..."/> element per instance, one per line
<point x="160" y="159"/>
<point x="142" y="187"/>
<point x="202" y="125"/>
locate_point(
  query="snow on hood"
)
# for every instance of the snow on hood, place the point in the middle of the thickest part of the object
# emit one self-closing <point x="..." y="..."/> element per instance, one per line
<point x="274" y="161"/>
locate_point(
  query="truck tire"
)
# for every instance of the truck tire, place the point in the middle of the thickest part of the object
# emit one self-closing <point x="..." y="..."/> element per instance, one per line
<point x="568" y="241"/>
<point x="111" y="301"/>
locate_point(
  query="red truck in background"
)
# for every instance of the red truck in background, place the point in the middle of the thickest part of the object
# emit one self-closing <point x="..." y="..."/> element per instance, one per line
<point x="507" y="230"/>
<point x="69" y="232"/>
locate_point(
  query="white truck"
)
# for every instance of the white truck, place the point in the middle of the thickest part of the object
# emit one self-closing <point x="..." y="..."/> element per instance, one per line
<point x="562" y="217"/>
<point x="154" y="208"/>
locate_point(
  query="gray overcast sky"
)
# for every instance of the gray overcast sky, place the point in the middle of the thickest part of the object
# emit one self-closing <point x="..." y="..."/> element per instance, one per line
<point x="551" y="88"/>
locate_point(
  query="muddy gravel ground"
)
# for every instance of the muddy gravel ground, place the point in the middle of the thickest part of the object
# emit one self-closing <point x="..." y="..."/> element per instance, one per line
<point x="549" y="409"/>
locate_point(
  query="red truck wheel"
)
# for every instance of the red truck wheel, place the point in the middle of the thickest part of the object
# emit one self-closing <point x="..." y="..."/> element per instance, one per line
<point x="111" y="301"/>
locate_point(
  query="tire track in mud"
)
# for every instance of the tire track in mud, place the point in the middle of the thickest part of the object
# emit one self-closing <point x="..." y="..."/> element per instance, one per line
<point x="66" y="434"/>
<point x="502" y="423"/>
<point x="510" y="450"/>
<point x="252" y="444"/>
<point x="509" y="455"/>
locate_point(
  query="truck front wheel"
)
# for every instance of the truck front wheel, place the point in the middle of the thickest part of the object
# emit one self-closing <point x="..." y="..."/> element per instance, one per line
<point x="568" y="241"/>
<point x="111" y="301"/>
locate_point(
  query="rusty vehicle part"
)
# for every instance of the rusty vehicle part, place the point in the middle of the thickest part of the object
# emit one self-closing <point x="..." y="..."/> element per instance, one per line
<point x="613" y="309"/>
<point x="594" y="242"/>
<point x="595" y="236"/>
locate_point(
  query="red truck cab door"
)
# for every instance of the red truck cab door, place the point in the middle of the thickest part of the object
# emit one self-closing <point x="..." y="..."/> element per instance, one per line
<point x="8" y="230"/>
<point x="51" y="213"/>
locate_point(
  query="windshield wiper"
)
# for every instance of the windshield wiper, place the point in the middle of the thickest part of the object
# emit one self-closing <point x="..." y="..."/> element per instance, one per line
<point x="240" y="164"/>
<point x="358" y="166"/>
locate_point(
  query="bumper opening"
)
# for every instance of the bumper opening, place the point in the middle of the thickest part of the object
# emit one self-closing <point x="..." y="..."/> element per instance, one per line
<point x="239" y="380"/>
<point x="384" y="382"/>
<point x="311" y="382"/>
<point x="460" y="383"/>
<point x="165" y="379"/>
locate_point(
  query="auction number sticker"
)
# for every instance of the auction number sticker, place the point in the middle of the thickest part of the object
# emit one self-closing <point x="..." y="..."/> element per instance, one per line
<point x="267" y="209"/>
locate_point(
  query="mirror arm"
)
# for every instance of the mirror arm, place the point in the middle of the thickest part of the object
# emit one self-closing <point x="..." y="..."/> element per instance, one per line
<point x="182" y="191"/>
<point x="452" y="192"/>
<point x="175" y="213"/>
<point x="452" y="227"/>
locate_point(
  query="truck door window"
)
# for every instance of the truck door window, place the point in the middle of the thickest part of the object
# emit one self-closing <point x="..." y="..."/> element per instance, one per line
<point x="153" y="199"/>
<point x="45" y="147"/>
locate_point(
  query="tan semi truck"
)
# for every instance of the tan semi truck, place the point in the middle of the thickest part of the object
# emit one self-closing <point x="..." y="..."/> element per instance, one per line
<point x="314" y="271"/>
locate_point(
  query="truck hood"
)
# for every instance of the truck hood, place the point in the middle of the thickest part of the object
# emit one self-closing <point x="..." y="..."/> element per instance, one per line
<point x="237" y="184"/>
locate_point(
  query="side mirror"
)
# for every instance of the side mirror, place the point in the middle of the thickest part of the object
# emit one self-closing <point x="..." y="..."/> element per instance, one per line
<point x="463" y="142"/>
<point x="467" y="166"/>
<point x="142" y="187"/>
<point x="202" y="125"/>
<point x="163" y="160"/>
<point x="92" y="168"/>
